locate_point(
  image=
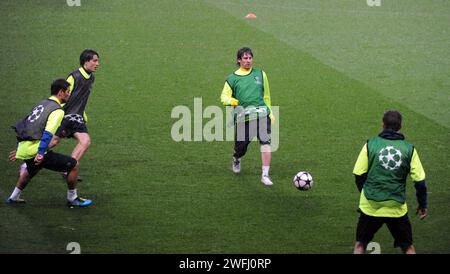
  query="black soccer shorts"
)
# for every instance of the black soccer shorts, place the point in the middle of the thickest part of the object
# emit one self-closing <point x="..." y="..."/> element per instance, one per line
<point x="71" y="124"/>
<point x="246" y="131"/>
<point x="53" y="161"/>
<point x="400" y="229"/>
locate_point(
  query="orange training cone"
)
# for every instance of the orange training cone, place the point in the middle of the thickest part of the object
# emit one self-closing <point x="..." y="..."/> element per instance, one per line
<point x="250" y="16"/>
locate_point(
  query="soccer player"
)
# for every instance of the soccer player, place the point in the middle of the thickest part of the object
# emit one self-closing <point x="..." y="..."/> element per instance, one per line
<point x="34" y="134"/>
<point x="247" y="89"/>
<point x="75" y="119"/>
<point x="380" y="172"/>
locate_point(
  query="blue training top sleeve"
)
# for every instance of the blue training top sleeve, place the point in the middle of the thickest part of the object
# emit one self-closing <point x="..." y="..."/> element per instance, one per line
<point x="45" y="141"/>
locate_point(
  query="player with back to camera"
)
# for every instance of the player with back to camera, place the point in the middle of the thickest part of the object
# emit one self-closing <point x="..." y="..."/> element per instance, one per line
<point x="380" y="172"/>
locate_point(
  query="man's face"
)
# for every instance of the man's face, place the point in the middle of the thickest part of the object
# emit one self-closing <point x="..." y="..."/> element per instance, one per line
<point x="246" y="61"/>
<point x="65" y="94"/>
<point x="92" y="64"/>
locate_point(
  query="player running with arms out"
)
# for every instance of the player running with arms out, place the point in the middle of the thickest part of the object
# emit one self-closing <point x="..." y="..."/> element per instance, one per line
<point x="247" y="89"/>
<point x="380" y="172"/>
<point x="34" y="134"/>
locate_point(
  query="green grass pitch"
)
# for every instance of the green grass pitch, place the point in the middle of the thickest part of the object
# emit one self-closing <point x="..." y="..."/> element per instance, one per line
<point x="334" y="68"/>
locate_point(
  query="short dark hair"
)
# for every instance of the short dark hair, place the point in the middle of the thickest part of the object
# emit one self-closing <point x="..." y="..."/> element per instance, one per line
<point x="241" y="53"/>
<point x="392" y="119"/>
<point x="87" y="55"/>
<point x="59" y="84"/>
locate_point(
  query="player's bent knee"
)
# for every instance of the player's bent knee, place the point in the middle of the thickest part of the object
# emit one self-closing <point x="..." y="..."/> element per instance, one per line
<point x="85" y="141"/>
<point x="72" y="164"/>
<point x="265" y="148"/>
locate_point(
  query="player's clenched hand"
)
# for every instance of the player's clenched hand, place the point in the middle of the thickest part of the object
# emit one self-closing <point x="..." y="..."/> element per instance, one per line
<point x="38" y="159"/>
<point x="422" y="212"/>
<point x="12" y="155"/>
<point x="272" y="119"/>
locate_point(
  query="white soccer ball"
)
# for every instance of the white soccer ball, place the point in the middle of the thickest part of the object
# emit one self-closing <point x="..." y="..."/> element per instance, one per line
<point x="303" y="180"/>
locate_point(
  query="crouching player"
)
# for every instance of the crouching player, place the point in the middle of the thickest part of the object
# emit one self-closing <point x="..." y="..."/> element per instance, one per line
<point x="34" y="134"/>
